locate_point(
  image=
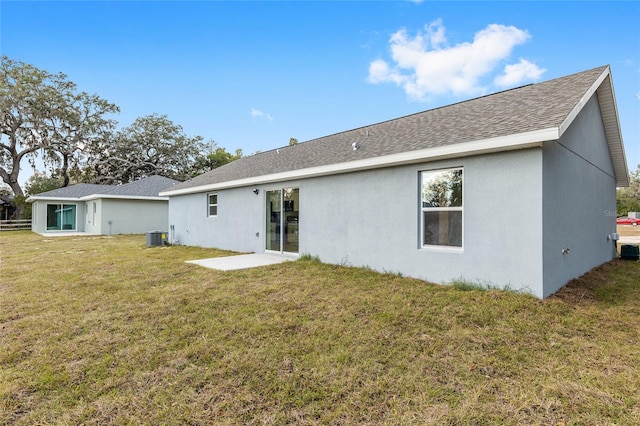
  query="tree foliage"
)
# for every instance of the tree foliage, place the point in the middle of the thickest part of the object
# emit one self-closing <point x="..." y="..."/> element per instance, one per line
<point x="44" y="117"/>
<point x="82" y="129"/>
<point x="214" y="158"/>
<point x="628" y="199"/>
<point x="43" y="113"/>
<point x="41" y="182"/>
<point x="38" y="183"/>
<point x="151" y="145"/>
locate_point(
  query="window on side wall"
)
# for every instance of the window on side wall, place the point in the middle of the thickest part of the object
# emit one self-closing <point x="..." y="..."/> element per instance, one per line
<point x="442" y="208"/>
<point x="213" y="204"/>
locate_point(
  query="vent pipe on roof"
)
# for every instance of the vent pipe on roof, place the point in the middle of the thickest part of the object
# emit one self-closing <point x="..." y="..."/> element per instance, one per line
<point x="355" y="145"/>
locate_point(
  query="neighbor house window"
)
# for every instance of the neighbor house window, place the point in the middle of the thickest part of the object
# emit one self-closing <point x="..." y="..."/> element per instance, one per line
<point x="61" y="217"/>
<point x="213" y="204"/>
<point x="441" y="207"/>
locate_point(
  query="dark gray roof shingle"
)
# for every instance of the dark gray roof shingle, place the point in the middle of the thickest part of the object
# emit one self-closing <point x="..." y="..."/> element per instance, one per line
<point x="527" y="108"/>
<point x="75" y="191"/>
<point x="147" y="187"/>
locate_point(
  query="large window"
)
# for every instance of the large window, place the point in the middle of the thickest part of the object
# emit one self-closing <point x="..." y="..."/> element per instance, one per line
<point x="441" y="207"/>
<point x="213" y="204"/>
<point x="61" y="217"/>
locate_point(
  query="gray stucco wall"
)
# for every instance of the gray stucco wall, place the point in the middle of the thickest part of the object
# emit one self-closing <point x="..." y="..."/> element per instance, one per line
<point x="127" y="216"/>
<point x="580" y="200"/>
<point x="39" y="216"/>
<point x="92" y="221"/>
<point x="241" y="215"/>
<point x="372" y="218"/>
<point x="132" y="216"/>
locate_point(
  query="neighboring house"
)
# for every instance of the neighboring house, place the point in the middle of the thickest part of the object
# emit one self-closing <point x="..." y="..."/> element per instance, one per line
<point x="6" y="210"/>
<point x="515" y="189"/>
<point x="131" y="208"/>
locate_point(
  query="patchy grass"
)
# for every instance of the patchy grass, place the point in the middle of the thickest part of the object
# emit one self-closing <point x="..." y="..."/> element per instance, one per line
<point x="104" y="330"/>
<point x="464" y="284"/>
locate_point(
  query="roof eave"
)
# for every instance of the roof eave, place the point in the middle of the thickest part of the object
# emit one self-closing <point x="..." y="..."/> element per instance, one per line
<point x="603" y="89"/>
<point x="34" y="198"/>
<point x="123" y="197"/>
<point x="96" y="197"/>
<point x="465" y="149"/>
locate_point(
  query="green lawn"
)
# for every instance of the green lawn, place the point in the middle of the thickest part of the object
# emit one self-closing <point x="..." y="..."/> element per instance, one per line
<point x="104" y="330"/>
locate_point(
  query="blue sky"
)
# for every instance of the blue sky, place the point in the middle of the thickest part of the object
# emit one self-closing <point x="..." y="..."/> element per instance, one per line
<point x="250" y="75"/>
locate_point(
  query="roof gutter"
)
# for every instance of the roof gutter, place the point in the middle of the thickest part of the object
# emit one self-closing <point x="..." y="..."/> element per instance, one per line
<point x="122" y="197"/>
<point x="95" y="197"/>
<point x="33" y="198"/>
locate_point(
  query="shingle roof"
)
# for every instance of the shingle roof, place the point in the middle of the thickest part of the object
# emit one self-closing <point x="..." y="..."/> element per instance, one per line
<point x="147" y="187"/>
<point x="528" y="108"/>
<point x="75" y="191"/>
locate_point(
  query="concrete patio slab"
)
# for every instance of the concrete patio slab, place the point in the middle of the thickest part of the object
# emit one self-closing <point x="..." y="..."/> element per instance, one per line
<point x="66" y="234"/>
<point x="243" y="261"/>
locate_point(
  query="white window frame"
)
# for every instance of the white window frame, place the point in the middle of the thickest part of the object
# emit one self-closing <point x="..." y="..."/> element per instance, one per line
<point x="423" y="209"/>
<point x="210" y="204"/>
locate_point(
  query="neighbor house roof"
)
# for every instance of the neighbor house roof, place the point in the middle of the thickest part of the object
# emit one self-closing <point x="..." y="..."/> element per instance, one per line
<point x="147" y="188"/>
<point x="513" y="119"/>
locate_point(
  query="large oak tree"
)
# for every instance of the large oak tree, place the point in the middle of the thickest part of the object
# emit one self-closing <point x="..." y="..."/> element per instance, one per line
<point x="151" y="145"/>
<point x="44" y="114"/>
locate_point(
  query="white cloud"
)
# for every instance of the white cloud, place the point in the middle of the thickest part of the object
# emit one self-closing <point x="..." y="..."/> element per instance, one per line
<point x="426" y="65"/>
<point x="436" y="30"/>
<point x="517" y="73"/>
<point x="256" y="113"/>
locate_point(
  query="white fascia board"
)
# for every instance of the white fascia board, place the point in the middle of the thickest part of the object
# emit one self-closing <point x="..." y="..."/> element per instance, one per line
<point x="609" y="111"/>
<point x="582" y="102"/>
<point x="33" y="198"/>
<point x="484" y="146"/>
<point x="603" y="86"/>
<point x="95" y="197"/>
<point x="122" y="197"/>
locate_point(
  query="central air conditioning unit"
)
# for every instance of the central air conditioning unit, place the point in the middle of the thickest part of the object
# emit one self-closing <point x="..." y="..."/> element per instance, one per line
<point x="156" y="238"/>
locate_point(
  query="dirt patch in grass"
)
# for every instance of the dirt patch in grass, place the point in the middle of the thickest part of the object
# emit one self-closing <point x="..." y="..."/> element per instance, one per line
<point x="612" y="282"/>
<point x="584" y="288"/>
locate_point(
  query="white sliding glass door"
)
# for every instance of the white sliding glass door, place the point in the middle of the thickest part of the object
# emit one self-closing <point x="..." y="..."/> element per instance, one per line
<point x="282" y="219"/>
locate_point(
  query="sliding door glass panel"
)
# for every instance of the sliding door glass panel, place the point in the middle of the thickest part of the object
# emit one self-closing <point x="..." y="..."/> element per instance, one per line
<point x="291" y="209"/>
<point x="69" y="217"/>
<point x="273" y="222"/>
<point x="53" y="218"/>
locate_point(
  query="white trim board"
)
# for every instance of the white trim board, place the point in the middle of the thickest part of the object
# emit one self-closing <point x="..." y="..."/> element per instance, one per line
<point x="485" y="146"/>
